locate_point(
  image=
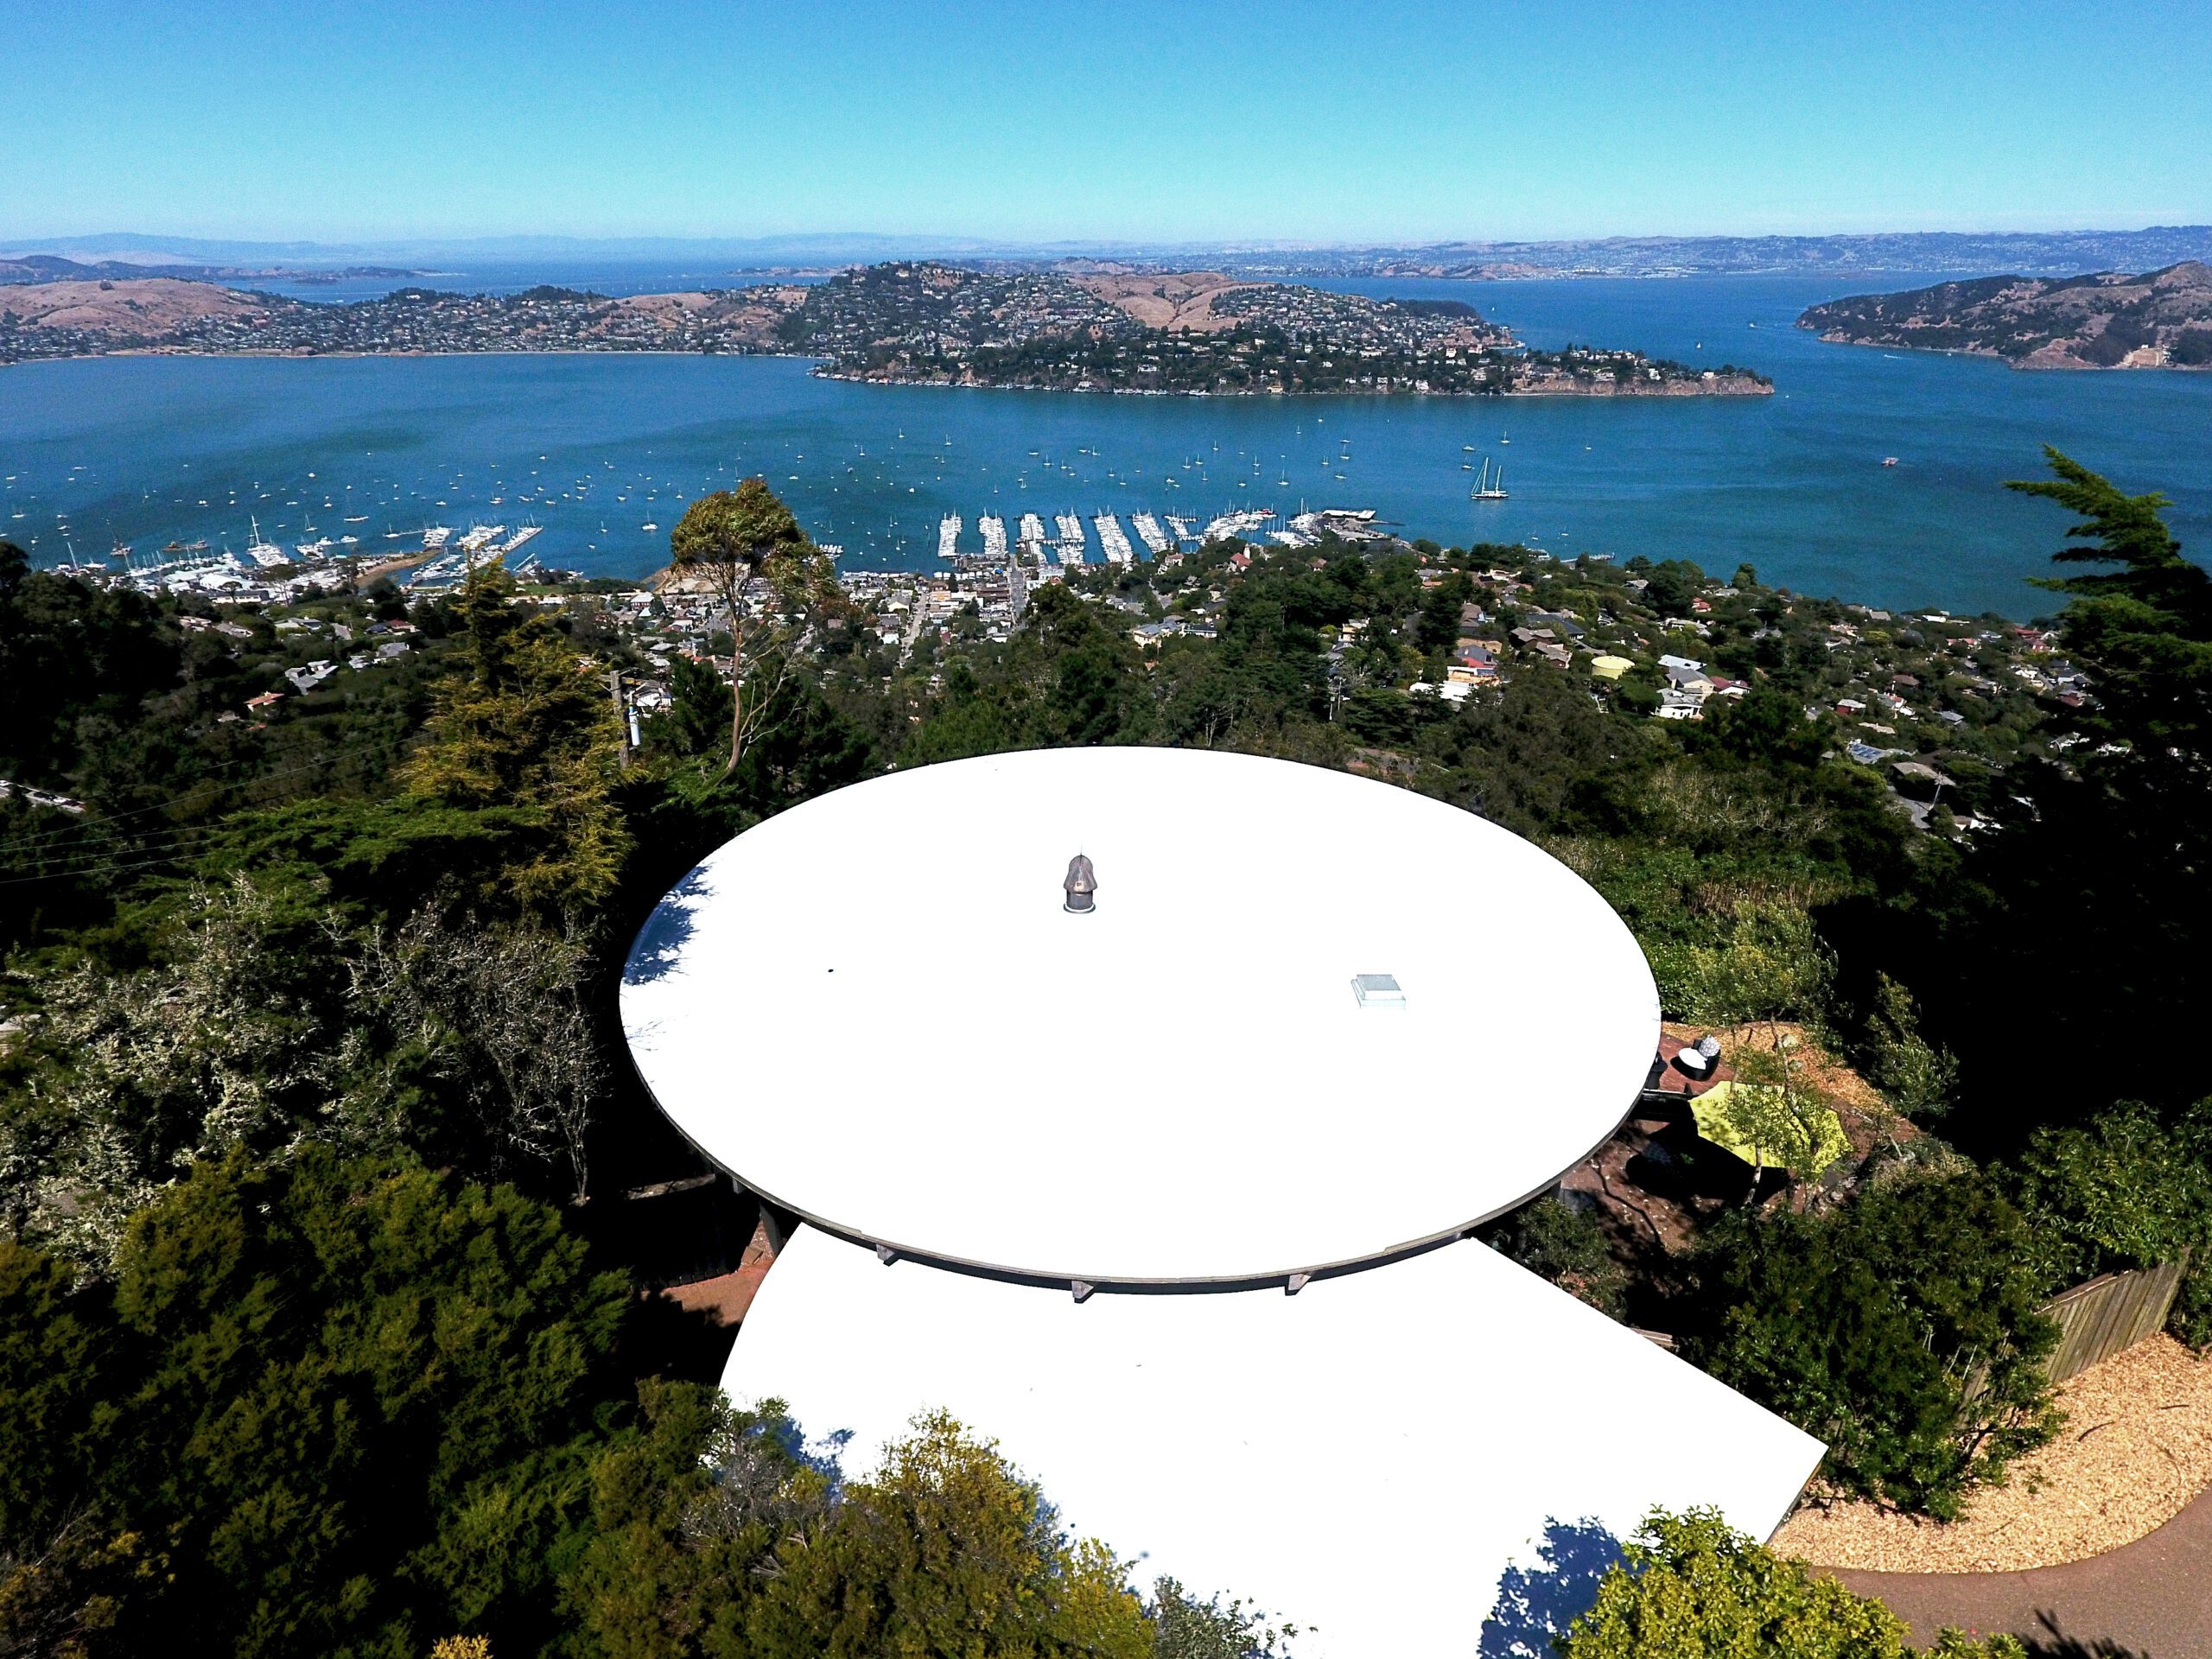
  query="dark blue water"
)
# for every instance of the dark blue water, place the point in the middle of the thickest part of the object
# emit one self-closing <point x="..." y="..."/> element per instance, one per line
<point x="595" y="448"/>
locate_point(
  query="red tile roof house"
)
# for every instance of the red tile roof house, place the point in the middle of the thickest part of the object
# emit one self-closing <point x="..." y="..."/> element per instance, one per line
<point x="1471" y="660"/>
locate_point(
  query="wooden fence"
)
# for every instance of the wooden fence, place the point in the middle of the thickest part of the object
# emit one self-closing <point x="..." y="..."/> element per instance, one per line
<point x="2114" y="1311"/>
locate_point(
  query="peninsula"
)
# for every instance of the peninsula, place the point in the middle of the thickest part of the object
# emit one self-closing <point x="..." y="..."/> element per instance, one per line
<point x="2110" y="319"/>
<point x="1108" y="328"/>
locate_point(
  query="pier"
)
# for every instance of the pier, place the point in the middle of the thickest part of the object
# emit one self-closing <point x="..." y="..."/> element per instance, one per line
<point x="1112" y="538"/>
<point x="1071" y="538"/>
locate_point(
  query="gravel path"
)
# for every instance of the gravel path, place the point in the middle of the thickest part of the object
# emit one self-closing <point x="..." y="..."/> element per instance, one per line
<point x="2137" y="1447"/>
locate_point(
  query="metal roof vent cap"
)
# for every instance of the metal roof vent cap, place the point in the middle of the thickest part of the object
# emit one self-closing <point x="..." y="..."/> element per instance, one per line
<point x="1081" y="885"/>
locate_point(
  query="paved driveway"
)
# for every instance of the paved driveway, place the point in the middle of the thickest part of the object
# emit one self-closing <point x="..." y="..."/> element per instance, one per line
<point x="2149" y="1599"/>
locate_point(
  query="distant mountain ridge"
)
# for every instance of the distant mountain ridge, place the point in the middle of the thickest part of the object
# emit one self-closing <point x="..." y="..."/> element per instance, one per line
<point x="2108" y="320"/>
<point x="52" y="267"/>
<point x="2032" y="252"/>
<point x="1946" y="252"/>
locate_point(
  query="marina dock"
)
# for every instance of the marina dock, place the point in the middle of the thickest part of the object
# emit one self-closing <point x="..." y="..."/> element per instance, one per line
<point x="1113" y="539"/>
<point x="1071" y="538"/>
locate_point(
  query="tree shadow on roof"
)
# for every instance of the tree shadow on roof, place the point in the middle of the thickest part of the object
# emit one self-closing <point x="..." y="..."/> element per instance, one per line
<point x="1536" y="1604"/>
<point x="660" y="945"/>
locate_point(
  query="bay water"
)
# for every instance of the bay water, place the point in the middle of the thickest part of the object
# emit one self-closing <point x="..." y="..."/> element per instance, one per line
<point x="603" y="451"/>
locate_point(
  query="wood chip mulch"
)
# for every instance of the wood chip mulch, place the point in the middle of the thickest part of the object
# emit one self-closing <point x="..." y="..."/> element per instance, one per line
<point x="2137" y="1447"/>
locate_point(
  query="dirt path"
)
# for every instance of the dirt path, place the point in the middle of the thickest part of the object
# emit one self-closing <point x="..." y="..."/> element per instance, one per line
<point x="2149" y="1599"/>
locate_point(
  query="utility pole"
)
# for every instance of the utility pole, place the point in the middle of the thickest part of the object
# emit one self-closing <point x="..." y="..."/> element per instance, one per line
<point x="621" y="712"/>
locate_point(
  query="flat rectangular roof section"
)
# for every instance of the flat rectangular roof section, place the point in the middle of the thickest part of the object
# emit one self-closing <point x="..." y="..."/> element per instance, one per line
<point x="1378" y="991"/>
<point x="1368" y="1458"/>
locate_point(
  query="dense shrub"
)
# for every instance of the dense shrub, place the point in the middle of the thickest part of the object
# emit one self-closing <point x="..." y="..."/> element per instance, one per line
<point x="1565" y="1245"/>
<point x="339" y="1408"/>
<point x="1904" y="1330"/>
<point x="1690" y="1588"/>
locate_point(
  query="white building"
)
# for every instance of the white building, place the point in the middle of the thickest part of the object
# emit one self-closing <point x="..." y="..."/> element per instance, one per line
<point x="1348" y="1412"/>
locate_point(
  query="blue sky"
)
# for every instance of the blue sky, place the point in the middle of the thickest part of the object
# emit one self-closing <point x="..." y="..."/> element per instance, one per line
<point x="1196" y="121"/>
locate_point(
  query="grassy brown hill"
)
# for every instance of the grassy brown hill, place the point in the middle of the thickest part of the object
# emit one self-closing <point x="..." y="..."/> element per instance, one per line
<point x="1179" y="301"/>
<point x="133" y="308"/>
<point x="2111" y="320"/>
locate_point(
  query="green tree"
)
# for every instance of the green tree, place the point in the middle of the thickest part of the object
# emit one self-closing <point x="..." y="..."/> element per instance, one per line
<point x="1674" y="584"/>
<point x="2097" y="875"/>
<point x="700" y="712"/>
<point x="1186" y="1627"/>
<point x="67" y="1562"/>
<point x="2147" y="624"/>
<point x="766" y="574"/>
<point x="1915" y="1078"/>
<point x="1772" y="1109"/>
<point x="947" y="1552"/>
<point x="1904" y="1330"/>
<point x="346" y="1406"/>
<point x="70" y="653"/>
<point x="714" y="1533"/>
<point x="1771" y="967"/>
<point x="1565" y="1245"/>
<point x="1085" y="683"/>
<point x="1539" y="759"/>
<point x="1764" y="726"/>
<point x="1690" y="1587"/>
<point x="524" y="726"/>
<point x="689" y="1507"/>
<point x="229" y="1042"/>
<point x="969" y="719"/>
<point x="267" y="1022"/>
<point x="2125" y="1190"/>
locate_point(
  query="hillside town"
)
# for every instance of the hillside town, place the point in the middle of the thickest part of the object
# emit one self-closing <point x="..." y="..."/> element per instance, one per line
<point x="1937" y="706"/>
<point x="917" y="322"/>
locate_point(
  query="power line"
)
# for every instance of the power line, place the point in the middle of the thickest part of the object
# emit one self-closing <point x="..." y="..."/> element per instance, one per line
<point x="105" y="821"/>
<point x="118" y="869"/>
<point x="85" y="859"/>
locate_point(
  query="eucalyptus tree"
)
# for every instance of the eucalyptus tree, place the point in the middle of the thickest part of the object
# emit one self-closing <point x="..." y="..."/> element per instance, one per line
<point x="767" y="576"/>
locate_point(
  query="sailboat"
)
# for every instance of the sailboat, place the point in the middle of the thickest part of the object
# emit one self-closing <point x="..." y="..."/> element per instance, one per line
<point x="1488" y="488"/>
<point x="261" y="552"/>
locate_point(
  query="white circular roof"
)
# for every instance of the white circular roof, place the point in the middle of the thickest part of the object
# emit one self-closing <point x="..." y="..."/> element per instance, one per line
<point x="873" y="1011"/>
